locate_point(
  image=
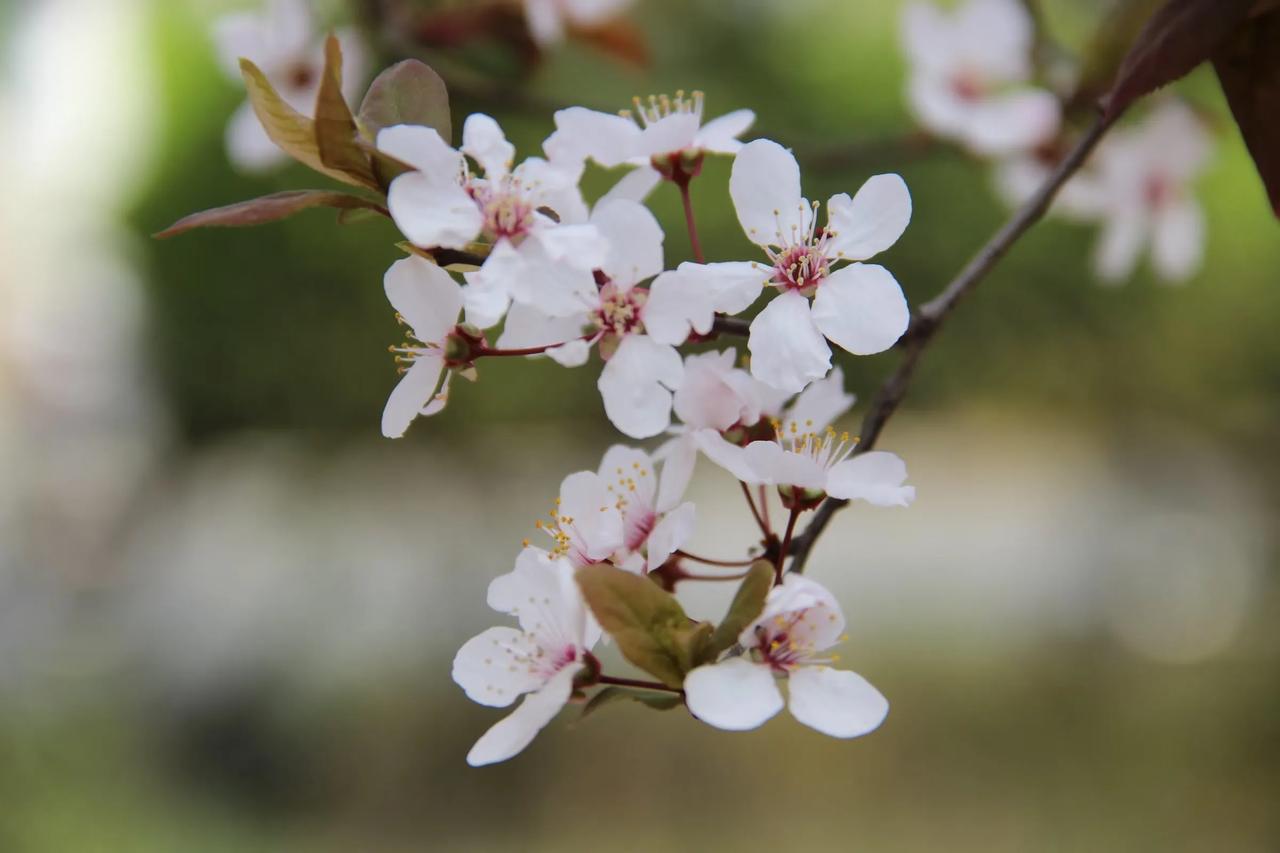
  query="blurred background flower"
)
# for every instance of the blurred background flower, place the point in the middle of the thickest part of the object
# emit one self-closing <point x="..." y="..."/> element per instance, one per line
<point x="228" y="606"/>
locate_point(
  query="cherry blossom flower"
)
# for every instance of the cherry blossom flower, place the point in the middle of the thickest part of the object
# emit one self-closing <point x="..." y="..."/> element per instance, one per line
<point x="1145" y="195"/>
<point x="586" y="524"/>
<point x="284" y="42"/>
<point x="723" y="399"/>
<point x="800" y="622"/>
<point x="810" y="464"/>
<point x="640" y="372"/>
<point x="969" y="78"/>
<point x="539" y="661"/>
<point x="428" y="301"/>
<point x="860" y="306"/>
<point x="535" y="256"/>
<point x="663" y="137"/>
<point x="654" y="528"/>
<point x="550" y="20"/>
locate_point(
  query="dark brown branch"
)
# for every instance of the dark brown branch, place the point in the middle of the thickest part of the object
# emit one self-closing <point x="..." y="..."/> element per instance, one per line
<point x="929" y="318"/>
<point x="730" y="326"/>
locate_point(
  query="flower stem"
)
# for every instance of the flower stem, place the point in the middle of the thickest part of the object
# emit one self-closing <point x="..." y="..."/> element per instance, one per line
<point x="786" y="543"/>
<point x="708" y="561"/>
<point x="636" y="682"/>
<point x="691" y="577"/>
<point x="511" y="353"/>
<point x="687" y="201"/>
<point x="764" y="525"/>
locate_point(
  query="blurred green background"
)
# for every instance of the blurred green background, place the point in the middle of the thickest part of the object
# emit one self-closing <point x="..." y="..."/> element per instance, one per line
<point x="228" y="606"/>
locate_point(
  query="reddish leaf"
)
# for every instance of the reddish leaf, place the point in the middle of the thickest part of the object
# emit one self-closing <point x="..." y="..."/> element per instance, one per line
<point x="269" y="208"/>
<point x="335" y="126"/>
<point x="289" y="129"/>
<point x="1180" y="36"/>
<point x="1249" y="68"/>
<point x="407" y="93"/>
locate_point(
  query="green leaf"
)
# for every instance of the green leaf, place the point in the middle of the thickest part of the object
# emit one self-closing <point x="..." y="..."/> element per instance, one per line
<point x="407" y="93"/>
<point x="1180" y="35"/>
<point x="270" y="208"/>
<point x="747" y="605"/>
<point x="613" y="694"/>
<point x="1248" y="67"/>
<point x="288" y="128"/>
<point x="335" y="126"/>
<point x="648" y="624"/>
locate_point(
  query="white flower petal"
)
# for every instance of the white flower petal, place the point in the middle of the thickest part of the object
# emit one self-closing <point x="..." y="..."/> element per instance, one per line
<point x="529" y="327"/>
<point x="423" y="149"/>
<point x="545" y="22"/>
<point x="632" y="474"/>
<point x="634" y="239"/>
<point x="411" y="395"/>
<point x="779" y="467"/>
<point x="581" y="246"/>
<point x="534" y="278"/>
<point x="673" y="531"/>
<point x="591" y="13"/>
<point x="597" y="524"/>
<point x="493" y="669"/>
<point x="1123" y="235"/>
<point x="862" y="309"/>
<point x="736" y="695"/>
<point x="668" y="135"/>
<point x="635" y="386"/>
<point x="819" y="405"/>
<point x="727" y="455"/>
<point x="935" y="104"/>
<point x="679" y="457"/>
<point x="248" y="146"/>
<point x="836" y="702"/>
<point x="997" y="36"/>
<point x="1177" y="240"/>
<point x="688" y="298"/>
<point x="512" y="734"/>
<point x="426" y="296"/>
<point x="572" y="354"/>
<point x="1007" y="124"/>
<point x="636" y="185"/>
<point x="432" y="214"/>
<point x="290" y="26"/>
<point x="927" y="38"/>
<point x="765" y="186"/>
<point x="873" y="220"/>
<point x="715" y="394"/>
<point x="813" y="612"/>
<point x="610" y="140"/>
<point x="876" y="477"/>
<point x="787" y="350"/>
<point x="241" y="35"/>
<point x="720" y="135"/>
<point x="484" y="141"/>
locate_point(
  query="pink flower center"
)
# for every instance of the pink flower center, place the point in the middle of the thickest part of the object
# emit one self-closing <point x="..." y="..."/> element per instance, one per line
<point x="507" y="212"/>
<point x="967" y="86"/>
<point x="1159" y="191"/>
<point x="801" y="267"/>
<point x="621" y="312"/>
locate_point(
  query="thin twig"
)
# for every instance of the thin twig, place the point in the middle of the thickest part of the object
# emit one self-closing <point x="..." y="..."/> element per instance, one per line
<point x="930" y="317"/>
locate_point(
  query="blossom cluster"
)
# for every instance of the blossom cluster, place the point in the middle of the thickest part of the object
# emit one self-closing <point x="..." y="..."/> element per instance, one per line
<point x="506" y="257"/>
<point x="562" y="277"/>
<point x="973" y="81"/>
